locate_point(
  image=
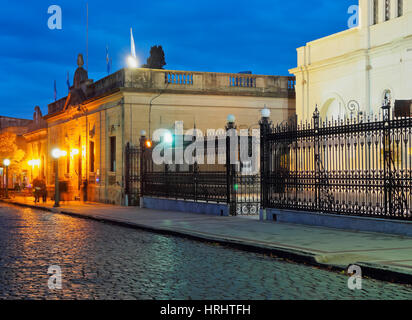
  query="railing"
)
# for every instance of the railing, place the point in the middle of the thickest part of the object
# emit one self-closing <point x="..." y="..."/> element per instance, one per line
<point x="106" y="84"/>
<point x="149" y="79"/>
<point x="242" y="81"/>
<point x="178" y="78"/>
<point x="359" y="166"/>
<point x="56" y="106"/>
<point x="197" y="182"/>
<point x="37" y="125"/>
<point x="291" y="84"/>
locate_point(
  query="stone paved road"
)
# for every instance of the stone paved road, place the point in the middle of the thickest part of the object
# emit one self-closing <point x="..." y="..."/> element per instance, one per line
<point x="103" y="261"/>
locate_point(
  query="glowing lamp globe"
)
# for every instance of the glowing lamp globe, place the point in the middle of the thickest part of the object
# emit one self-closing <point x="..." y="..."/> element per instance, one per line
<point x="148" y="144"/>
<point x="265" y="113"/>
<point x="231" y="118"/>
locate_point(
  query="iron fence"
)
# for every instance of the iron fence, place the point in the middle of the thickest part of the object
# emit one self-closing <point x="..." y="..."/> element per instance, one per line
<point x="132" y="174"/>
<point x="360" y="166"/>
<point x="214" y="181"/>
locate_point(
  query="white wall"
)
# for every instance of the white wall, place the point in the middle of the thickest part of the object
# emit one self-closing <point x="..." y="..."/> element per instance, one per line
<point x="357" y="64"/>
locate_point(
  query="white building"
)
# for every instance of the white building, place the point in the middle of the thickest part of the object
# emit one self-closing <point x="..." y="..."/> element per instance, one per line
<point x="358" y="65"/>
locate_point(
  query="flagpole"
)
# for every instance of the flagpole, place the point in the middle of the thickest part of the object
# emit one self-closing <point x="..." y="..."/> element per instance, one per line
<point x="87" y="36"/>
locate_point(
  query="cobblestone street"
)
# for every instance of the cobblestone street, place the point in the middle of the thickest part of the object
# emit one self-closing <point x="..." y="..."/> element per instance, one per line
<point x="103" y="261"/>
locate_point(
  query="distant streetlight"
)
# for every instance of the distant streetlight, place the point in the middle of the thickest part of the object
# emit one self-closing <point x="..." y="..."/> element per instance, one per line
<point x="6" y="163"/>
<point x="56" y="154"/>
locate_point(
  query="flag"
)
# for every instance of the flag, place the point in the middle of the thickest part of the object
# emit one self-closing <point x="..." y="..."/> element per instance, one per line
<point x="68" y="81"/>
<point x="108" y="60"/>
<point x="133" y="48"/>
<point x="55" y="91"/>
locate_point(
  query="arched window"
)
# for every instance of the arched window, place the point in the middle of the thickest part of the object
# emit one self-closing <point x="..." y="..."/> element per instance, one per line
<point x="400" y="8"/>
<point x="375" y="11"/>
<point x="387" y="10"/>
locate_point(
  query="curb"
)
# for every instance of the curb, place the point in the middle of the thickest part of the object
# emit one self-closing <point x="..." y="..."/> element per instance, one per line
<point x="369" y="270"/>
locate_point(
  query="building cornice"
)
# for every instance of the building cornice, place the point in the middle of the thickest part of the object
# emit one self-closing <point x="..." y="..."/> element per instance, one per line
<point x="354" y="55"/>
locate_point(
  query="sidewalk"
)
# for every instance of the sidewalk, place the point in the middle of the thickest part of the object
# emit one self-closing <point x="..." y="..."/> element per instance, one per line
<point x="381" y="256"/>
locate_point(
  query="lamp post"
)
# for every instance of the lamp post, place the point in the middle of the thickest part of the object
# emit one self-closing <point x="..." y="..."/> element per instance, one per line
<point x="231" y="163"/>
<point x="265" y="128"/>
<point x="6" y="163"/>
<point x="56" y="154"/>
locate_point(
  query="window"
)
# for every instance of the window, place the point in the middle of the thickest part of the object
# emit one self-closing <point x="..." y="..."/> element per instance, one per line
<point x="387" y="10"/>
<point x="375" y="12"/>
<point x="91" y="156"/>
<point x="112" y="154"/>
<point x="400" y="8"/>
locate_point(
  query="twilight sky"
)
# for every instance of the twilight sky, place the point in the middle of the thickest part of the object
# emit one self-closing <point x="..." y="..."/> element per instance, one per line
<point x="214" y="35"/>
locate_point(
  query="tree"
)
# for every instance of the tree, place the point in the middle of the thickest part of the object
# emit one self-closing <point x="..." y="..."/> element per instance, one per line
<point x="156" y="59"/>
<point x="10" y="150"/>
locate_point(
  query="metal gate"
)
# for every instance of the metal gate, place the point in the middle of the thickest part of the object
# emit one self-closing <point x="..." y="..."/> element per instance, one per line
<point x="247" y="188"/>
<point x="132" y="175"/>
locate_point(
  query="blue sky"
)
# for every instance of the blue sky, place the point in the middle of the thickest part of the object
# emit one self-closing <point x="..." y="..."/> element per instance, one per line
<point x="215" y="35"/>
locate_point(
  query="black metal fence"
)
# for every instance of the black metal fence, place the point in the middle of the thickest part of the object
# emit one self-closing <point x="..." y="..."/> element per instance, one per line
<point x="213" y="180"/>
<point x="355" y="166"/>
<point x="360" y="166"/>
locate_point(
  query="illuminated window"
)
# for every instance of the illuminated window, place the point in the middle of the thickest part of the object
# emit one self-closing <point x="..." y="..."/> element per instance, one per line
<point x="387" y="10"/>
<point x="400" y="8"/>
<point x="375" y="11"/>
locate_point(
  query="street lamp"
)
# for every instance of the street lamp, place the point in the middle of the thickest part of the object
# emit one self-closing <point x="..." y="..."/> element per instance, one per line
<point x="6" y="163"/>
<point x="56" y="154"/>
<point x="231" y="118"/>
<point x="265" y="112"/>
<point x="144" y="141"/>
